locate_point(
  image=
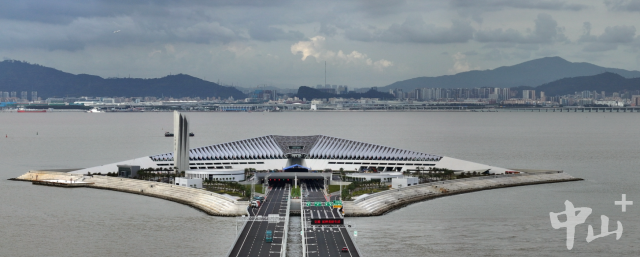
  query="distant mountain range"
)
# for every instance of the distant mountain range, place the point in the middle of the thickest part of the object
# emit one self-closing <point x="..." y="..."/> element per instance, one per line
<point x="312" y="93"/>
<point x="22" y="76"/>
<point x="608" y="82"/>
<point x="553" y="75"/>
<point x="531" y="73"/>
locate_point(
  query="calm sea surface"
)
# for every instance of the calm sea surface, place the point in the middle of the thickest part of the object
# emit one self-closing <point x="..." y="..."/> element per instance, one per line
<point x="602" y="148"/>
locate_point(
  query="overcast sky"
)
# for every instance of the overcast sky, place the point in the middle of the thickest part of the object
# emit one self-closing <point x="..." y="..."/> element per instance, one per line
<point x="285" y="43"/>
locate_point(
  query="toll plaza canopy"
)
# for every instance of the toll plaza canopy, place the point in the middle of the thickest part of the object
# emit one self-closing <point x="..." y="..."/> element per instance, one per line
<point x="296" y="168"/>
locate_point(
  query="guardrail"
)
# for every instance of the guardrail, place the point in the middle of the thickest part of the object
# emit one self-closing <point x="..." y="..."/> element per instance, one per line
<point x="451" y="181"/>
<point x="283" y="251"/>
<point x="239" y="233"/>
<point x="360" y="253"/>
<point x="302" y="221"/>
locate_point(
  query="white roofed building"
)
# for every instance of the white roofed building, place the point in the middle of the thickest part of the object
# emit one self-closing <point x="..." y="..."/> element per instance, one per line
<point x="317" y="152"/>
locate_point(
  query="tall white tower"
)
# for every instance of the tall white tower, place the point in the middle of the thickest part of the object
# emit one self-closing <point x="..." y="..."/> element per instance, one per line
<point x="180" y="141"/>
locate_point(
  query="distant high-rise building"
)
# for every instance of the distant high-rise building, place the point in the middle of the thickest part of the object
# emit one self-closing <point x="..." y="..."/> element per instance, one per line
<point x="418" y="94"/>
<point x="399" y="94"/>
<point x="342" y="89"/>
<point x="318" y="86"/>
<point x="602" y="95"/>
<point x="635" y="100"/>
<point x="505" y="94"/>
<point x="24" y="95"/>
<point x="34" y="95"/>
<point x="5" y="95"/>
<point x="542" y="97"/>
<point x="525" y="94"/>
<point x="14" y="94"/>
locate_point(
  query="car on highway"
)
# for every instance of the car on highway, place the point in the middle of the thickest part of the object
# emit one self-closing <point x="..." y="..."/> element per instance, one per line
<point x="268" y="237"/>
<point x="345" y="249"/>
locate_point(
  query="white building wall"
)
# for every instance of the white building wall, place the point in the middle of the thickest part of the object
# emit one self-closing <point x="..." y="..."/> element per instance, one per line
<point x="188" y="182"/>
<point x="314" y="164"/>
<point x="397" y="183"/>
<point x="221" y="175"/>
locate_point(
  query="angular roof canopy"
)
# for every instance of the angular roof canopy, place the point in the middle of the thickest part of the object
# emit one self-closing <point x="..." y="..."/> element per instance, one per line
<point x="313" y="147"/>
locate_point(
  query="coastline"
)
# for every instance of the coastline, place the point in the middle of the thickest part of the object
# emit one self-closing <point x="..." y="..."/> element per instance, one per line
<point x="205" y="201"/>
<point x="373" y="205"/>
<point x="387" y="201"/>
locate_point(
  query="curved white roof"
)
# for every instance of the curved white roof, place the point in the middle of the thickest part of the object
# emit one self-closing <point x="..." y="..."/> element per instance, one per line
<point x="313" y="147"/>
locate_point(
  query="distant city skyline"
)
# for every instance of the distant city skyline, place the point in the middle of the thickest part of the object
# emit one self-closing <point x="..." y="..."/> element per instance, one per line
<point x="285" y="43"/>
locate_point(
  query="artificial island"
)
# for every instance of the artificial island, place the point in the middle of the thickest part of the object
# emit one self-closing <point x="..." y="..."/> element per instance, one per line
<point x="320" y="178"/>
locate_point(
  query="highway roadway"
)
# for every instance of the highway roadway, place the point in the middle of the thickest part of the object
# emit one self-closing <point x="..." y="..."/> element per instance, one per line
<point x="326" y="240"/>
<point x="251" y="241"/>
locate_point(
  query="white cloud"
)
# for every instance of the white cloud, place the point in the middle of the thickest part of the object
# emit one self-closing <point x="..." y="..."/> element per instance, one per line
<point x="238" y="48"/>
<point x="460" y="64"/>
<point x="315" y="47"/>
<point x="309" y="48"/>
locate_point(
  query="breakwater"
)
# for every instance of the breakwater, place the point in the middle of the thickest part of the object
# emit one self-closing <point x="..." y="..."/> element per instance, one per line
<point x="208" y="202"/>
<point x="386" y="201"/>
<point x="371" y="205"/>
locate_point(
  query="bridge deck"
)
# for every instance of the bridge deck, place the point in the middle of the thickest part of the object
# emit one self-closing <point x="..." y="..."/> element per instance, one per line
<point x="251" y="241"/>
<point x="324" y="240"/>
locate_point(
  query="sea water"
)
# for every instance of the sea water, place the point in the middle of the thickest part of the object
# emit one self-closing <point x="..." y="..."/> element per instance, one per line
<point x="602" y="148"/>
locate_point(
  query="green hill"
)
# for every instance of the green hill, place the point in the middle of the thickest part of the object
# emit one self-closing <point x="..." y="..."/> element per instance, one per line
<point x="22" y="76"/>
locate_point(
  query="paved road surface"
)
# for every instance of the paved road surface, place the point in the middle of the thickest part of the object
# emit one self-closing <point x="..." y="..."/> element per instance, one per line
<point x="324" y="240"/>
<point x="251" y="241"/>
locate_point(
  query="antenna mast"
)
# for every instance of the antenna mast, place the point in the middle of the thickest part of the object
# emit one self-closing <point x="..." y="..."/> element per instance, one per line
<point x="325" y="74"/>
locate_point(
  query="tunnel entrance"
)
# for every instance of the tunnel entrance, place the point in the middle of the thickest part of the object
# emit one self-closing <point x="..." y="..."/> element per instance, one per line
<point x="296" y="168"/>
<point x="280" y="182"/>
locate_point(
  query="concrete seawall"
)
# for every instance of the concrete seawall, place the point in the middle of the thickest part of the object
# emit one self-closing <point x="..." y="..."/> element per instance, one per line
<point x="208" y="202"/>
<point x="386" y="201"/>
<point x="372" y="205"/>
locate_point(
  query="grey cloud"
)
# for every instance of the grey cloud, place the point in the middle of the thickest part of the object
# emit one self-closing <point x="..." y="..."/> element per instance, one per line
<point x="360" y="34"/>
<point x="415" y="30"/>
<point x="587" y="28"/>
<point x="618" y="34"/>
<point x="494" y="5"/>
<point x="609" y="39"/>
<point x="476" y="8"/>
<point x="100" y="31"/>
<point x="65" y="11"/>
<point x="328" y="29"/>
<point x="266" y="33"/>
<point x="378" y="7"/>
<point x="599" y="47"/>
<point x="72" y="25"/>
<point x="623" y="5"/>
<point x="546" y="30"/>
